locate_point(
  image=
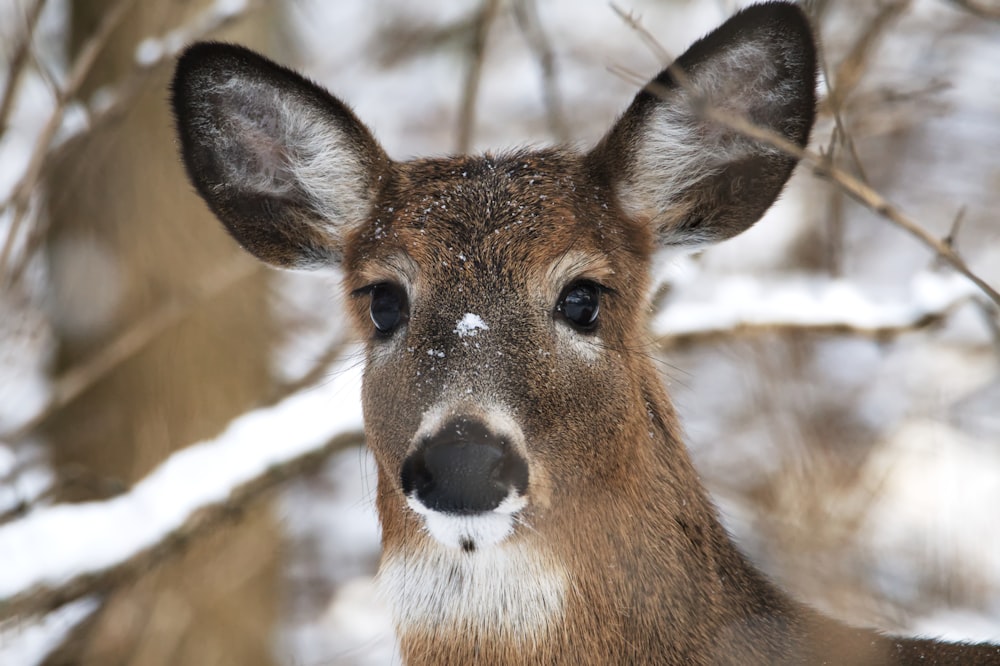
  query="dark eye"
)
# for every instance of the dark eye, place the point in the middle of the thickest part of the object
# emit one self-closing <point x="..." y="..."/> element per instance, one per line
<point x="579" y="304"/>
<point x="389" y="307"/>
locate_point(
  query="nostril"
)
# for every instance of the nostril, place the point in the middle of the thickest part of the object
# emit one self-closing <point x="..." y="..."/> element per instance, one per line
<point x="415" y="476"/>
<point x="512" y="471"/>
<point x="464" y="469"/>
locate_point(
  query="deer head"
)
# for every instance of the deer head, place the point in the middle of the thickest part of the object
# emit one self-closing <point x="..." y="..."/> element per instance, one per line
<point x="533" y="489"/>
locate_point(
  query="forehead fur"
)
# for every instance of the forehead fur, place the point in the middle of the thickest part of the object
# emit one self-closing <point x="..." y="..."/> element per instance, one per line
<point x="497" y="215"/>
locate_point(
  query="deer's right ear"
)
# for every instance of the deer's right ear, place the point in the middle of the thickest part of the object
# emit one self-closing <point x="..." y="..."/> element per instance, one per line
<point x="283" y="164"/>
<point x="697" y="181"/>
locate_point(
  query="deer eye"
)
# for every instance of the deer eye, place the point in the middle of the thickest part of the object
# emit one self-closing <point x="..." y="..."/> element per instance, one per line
<point x="389" y="307"/>
<point x="579" y="304"/>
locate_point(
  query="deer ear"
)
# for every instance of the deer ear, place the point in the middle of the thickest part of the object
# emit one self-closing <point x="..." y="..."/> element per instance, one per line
<point x="699" y="182"/>
<point x="282" y="163"/>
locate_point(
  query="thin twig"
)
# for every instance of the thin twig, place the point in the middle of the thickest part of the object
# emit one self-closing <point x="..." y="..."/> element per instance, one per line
<point x="18" y="61"/>
<point x="200" y="523"/>
<point x="82" y="66"/>
<point x="173" y="41"/>
<point x="854" y="65"/>
<point x="477" y="55"/>
<point x="526" y="15"/>
<point x="881" y="333"/>
<point x="850" y="71"/>
<point x="956" y="227"/>
<point x="319" y="368"/>
<point x="848" y="75"/>
<point x="859" y="191"/>
<point x="661" y="54"/>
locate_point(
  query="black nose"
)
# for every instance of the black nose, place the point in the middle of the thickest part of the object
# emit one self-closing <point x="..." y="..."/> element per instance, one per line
<point x="463" y="469"/>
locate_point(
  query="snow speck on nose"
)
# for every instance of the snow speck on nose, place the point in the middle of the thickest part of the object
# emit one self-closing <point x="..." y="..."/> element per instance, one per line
<point x="469" y="325"/>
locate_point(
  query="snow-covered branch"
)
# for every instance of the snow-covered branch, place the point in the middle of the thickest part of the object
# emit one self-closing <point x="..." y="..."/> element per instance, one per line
<point x="743" y="302"/>
<point x="58" y="554"/>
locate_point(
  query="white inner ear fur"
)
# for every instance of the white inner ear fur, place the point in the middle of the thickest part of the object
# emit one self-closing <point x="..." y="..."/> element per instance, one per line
<point x="677" y="149"/>
<point x="295" y="149"/>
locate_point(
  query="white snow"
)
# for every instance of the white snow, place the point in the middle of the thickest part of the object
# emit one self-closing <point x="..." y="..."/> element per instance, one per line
<point x="53" y="544"/>
<point x="729" y="302"/>
<point x="959" y="625"/>
<point x="29" y="643"/>
<point x="149" y="52"/>
<point x="938" y="493"/>
<point x="7" y="461"/>
<point x="25" y="484"/>
<point x="153" y="50"/>
<point x="470" y="325"/>
<point x="355" y="629"/>
<point x="227" y="8"/>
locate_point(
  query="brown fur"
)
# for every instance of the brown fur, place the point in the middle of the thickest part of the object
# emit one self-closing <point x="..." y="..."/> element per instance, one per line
<point x="614" y="503"/>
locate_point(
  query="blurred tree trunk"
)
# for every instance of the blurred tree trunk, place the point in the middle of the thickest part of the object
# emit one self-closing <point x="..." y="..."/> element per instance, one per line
<point x="128" y="235"/>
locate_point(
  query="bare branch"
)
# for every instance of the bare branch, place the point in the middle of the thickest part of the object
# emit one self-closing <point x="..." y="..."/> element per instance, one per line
<point x="956" y="227"/>
<point x="477" y="55"/>
<point x="859" y="191"/>
<point x="851" y="70"/>
<point x="849" y="73"/>
<point x="82" y="66"/>
<point x="526" y="15"/>
<point x="18" y="61"/>
<point x="661" y="54"/>
<point x="854" y="65"/>
<point x="318" y="369"/>
<point x="729" y="332"/>
<point x="153" y="52"/>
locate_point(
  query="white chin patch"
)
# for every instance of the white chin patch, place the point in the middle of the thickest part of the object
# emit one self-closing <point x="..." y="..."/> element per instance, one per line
<point x="471" y="532"/>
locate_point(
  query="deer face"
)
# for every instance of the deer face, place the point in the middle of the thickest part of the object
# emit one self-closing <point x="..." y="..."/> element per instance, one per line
<point x="499" y="298"/>
<point x="502" y="298"/>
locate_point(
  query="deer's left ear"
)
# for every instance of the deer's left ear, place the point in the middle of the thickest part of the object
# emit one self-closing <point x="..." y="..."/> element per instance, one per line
<point x="285" y="165"/>
<point x="697" y="181"/>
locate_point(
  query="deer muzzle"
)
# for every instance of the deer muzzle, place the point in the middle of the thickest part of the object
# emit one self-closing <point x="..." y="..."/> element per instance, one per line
<point x="467" y="481"/>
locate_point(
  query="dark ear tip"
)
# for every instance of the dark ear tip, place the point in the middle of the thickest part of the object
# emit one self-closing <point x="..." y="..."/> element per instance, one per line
<point x="201" y="65"/>
<point x="210" y="52"/>
<point x="779" y="16"/>
<point x="779" y="11"/>
<point x="203" y="58"/>
<point x="194" y="62"/>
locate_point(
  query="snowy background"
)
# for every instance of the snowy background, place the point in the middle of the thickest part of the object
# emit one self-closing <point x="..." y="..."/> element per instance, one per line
<point x="839" y="384"/>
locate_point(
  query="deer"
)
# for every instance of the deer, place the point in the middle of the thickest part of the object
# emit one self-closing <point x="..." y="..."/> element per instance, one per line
<point x="536" y="499"/>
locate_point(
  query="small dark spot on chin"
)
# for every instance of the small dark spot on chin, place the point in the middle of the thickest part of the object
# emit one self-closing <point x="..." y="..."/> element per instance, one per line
<point x="468" y="545"/>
